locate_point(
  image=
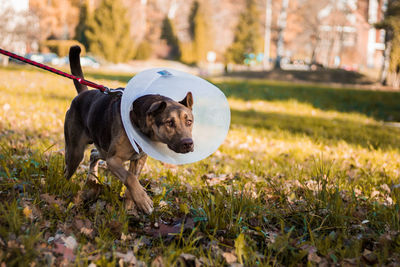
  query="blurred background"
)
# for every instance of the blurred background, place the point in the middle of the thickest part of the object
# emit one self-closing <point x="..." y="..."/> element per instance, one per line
<point x="353" y="41"/>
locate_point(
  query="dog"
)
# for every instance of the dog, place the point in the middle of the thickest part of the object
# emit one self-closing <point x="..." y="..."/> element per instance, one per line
<point x="94" y="118"/>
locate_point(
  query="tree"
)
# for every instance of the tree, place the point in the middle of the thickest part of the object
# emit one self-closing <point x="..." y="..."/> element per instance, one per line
<point x="391" y="25"/>
<point x="310" y="36"/>
<point x="192" y="24"/>
<point x="199" y="32"/>
<point x="168" y="34"/>
<point x="57" y="19"/>
<point x="82" y="25"/>
<point x="281" y="30"/>
<point x="247" y="34"/>
<point x="322" y="33"/>
<point x="108" y="32"/>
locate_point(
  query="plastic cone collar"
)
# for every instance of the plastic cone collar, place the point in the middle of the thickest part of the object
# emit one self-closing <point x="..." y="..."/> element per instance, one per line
<point x="210" y="110"/>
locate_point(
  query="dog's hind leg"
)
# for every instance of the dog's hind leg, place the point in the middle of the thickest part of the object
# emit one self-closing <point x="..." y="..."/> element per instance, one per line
<point x="93" y="166"/>
<point x="92" y="186"/>
<point x="73" y="157"/>
<point x="75" y="144"/>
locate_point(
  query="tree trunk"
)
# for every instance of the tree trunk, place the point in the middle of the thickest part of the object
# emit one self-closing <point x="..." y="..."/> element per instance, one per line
<point x="386" y="62"/>
<point x="281" y="29"/>
<point x="396" y="80"/>
<point x="5" y="61"/>
<point x="267" y="34"/>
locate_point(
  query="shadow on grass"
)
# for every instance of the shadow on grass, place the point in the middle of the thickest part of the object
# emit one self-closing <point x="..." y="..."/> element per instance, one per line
<point x="321" y="129"/>
<point x="124" y="78"/>
<point x="319" y="76"/>
<point x="381" y="105"/>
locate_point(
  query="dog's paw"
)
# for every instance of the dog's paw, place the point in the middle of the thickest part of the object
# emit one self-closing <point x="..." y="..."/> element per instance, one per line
<point x="143" y="201"/>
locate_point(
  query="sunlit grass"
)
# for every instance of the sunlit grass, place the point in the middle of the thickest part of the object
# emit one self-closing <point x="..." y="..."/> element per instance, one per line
<point x="306" y="174"/>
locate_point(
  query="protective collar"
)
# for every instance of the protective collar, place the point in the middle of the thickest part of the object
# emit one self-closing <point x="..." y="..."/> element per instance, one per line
<point x="210" y="110"/>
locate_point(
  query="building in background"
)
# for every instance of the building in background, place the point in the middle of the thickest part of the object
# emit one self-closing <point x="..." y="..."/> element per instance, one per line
<point x="18" y="26"/>
<point x="337" y="33"/>
<point x="376" y="38"/>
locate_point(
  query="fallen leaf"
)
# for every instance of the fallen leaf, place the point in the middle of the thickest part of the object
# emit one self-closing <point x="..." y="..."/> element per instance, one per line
<point x="375" y="193"/>
<point x="115" y="227"/>
<point x="128" y="257"/>
<point x="158" y="262"/>
<point x="386" y="188"/>
<point x="127" y="237"/>
<point x="312" y="253"/>
<point x="369" y="257"/>
<point x="229" y="257"/>
<point x="165" y="229"/>
<point x="78" y="223"/>
<point x="212" y="179"/>
<point x="28" y="212"/>
<point x="94" y="257"/>
<point x="85" y="227"/>
<point x="67" y="253"/>
<point x="188" y="257"/>
<point x="89" y="232"/>
<point x="162" y="204"/>
<point x="157" y="190"/>
<point x="70" y="242"/>
<point x="313" y="257"/>
<point x="51" y="200"/>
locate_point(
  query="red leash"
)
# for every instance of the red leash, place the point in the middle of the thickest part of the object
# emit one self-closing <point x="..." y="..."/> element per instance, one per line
<point x="102" y="88"/>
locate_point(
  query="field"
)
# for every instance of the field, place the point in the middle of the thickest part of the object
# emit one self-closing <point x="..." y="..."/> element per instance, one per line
<point x="308" y="175"/>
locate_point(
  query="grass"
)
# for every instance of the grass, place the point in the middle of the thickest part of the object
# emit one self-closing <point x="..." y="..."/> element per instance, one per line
<point x="307" y="175"/>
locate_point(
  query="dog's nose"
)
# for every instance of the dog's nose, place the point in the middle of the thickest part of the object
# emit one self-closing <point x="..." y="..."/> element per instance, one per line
<point x="187" y="144"/>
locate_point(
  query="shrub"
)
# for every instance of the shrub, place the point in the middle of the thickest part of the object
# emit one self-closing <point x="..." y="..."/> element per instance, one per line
<point x="188" y="55"/>
<point x="144" y="50"/>
<point x="60" y="47"/>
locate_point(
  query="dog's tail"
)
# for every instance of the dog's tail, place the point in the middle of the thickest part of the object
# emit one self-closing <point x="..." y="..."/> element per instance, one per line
<point x="76" y="69"/>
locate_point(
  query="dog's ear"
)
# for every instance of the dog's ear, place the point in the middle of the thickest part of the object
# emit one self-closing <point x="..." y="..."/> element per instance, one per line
<point x="188" y="100"/>
<point x="156" y="108"/>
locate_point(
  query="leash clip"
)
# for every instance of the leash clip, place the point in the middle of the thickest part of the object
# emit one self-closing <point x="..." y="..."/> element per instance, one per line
<point x="118" y="91"/>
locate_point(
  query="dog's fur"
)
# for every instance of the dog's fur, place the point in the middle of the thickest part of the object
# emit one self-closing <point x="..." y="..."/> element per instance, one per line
<point x="95" y="118"/>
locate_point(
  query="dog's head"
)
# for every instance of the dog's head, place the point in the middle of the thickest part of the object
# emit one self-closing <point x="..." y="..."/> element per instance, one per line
<point x="170" y="122"/>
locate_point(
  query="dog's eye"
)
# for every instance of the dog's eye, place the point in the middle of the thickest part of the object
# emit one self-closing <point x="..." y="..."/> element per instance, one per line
<point x="170" y="123"/>
<point x="189" y="122"/>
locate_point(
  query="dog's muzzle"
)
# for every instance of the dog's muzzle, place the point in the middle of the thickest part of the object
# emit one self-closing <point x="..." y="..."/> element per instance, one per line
<point x="186" y="145"/>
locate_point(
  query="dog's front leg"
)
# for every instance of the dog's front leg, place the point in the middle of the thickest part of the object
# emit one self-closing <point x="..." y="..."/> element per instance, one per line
<point x="135" y="168"/>
<point x="130" y="180"/>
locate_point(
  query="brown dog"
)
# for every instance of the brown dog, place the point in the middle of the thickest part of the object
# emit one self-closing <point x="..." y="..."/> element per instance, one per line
<point x="94" y="118"/>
